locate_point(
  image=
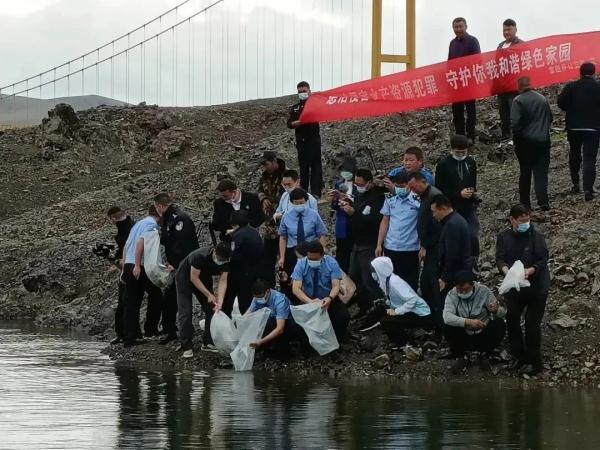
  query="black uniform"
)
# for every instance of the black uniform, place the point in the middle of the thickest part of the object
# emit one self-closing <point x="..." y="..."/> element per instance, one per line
<point x="530" y="248"/>
<point x="454" y="250"/>
<point x="247" y="265"/>
<point x="308" y="144"/>
<point x="123" y="228"/>
<point x="222" y="212"/>
<point x="178" y="235"/>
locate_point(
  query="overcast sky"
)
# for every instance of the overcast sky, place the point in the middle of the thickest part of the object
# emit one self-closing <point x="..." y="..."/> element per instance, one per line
<point x="331" y="44"/>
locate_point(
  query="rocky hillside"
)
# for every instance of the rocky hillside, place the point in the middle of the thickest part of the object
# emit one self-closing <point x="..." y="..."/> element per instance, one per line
<point x="60" y="177"/>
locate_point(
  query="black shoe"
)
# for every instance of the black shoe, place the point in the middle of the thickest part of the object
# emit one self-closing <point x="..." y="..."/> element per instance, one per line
<point x="516" y="364"/>
<point x="545" y="207"/>
<point x="588" y="196"/>
<point x="116" y="340"/>
<point x="530" y="370"/>
<point x="168" y="338"/>
<point x="128" y="344"/>
<point x="459" y="366"/>
<point x="575" y="189"/>
<point x="484" y="363"/>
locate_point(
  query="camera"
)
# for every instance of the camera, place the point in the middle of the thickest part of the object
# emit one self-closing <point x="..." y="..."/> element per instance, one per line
<point x="103" y="250"/>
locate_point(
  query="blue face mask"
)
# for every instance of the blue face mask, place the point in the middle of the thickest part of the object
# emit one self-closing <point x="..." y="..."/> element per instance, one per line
<point x="523" y="227"/>
<point x="300" y="208"/>
<point x="375" y="276"/>
<point x="401" y="191"/>
<point x="260" y="301"/>
<point x="314" y="264"/>
<point x="346" y="175"/>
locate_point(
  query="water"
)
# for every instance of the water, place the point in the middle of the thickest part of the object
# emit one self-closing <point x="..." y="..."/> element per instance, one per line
<point x="58" y="392"/>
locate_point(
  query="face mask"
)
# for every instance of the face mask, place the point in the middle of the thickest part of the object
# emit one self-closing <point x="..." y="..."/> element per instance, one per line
<point x="466" y="295"/>
<point x="300" y="208"/>
<point x="375" y="276"/>
<point x="523" y="227"/>
<point x="314" y="264"/>
<point x="459" y="158"/>
<point x="303" y="95"/>
<point x="401" y="191"/>
<point x="218" y="262"/>
<point x="260" y="301"/>
<point x="346" y="175"/>
<point x="288" y="189"/>
<point x="361" y="189"/>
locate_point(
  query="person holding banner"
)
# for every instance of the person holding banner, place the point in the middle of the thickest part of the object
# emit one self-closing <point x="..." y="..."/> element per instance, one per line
<point x="463" y="45"/>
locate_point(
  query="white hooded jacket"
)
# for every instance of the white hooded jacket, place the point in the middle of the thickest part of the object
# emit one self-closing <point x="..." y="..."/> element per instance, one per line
<point x="398" y="293"/>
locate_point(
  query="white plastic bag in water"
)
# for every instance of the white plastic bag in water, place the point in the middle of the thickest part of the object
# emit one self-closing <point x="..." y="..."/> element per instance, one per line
<point x="250" y="329"/>
<point x="514" y="279"/>
<point x="223" y="332"/>
<point x="317" y="325"/>
<point x="156" y="270"/>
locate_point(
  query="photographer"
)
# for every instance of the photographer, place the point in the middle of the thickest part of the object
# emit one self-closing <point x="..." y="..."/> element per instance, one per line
<point x="124" y="223"/>
<point x="456" y="177"/>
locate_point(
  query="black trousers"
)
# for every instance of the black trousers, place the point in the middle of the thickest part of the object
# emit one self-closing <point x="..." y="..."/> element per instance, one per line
<point x="474" y="226"/>
<point x="534" y="160"/>
<point x="135" y="289"/>
<point x="395" y="326"/>
<point x="527" y="350"/>
<point x="487" y="340"/>
<point x="367" y="290"/>
<point x="504" y="106"/>
<point x="185" y="293"/>
<point x="288" y="267"/>
<point x="239" y="284"/>
<point x="343" y="249"/>
<point x="340" y="318"/>
<point x="120" y="312"/>
<point x="406" y="266"/>
<point x="458" y="117"/>
<point x="311" y="167"/>
<point x="169" y="310"/>
<point x="430" y="287"/>
<point x="271" y="252"/>
<point x="280" y="345"/>
<point x="588" y="142"/>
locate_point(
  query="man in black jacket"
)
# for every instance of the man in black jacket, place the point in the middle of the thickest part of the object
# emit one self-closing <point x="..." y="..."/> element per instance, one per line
<point x="178" y="235"/>
<point x="456" y="177"/>
<point x="523" y="243"/>
<point x="365" y="217"/>
<point x="308" y="144"/>
<point x="509" y="30"/>
<point x="124" y="223"/>
<point x="233" y="199"/>
<point x="531" y="118"/>
<point x="429" y="231"/>
<point x="581" y="101"/>
<point x="455" y="244"/>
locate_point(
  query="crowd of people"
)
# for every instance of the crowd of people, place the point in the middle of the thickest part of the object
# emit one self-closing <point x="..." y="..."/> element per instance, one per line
<point x="408" y="239"/>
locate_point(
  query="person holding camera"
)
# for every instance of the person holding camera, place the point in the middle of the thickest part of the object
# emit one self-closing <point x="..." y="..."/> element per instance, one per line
<point x="403" y="307"/>
<point x="124" y="223"/>
<point x="456" y="177"/>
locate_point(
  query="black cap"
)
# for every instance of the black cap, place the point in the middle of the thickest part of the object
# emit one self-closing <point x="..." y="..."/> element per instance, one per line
<point x="268" y="157"/>
<point x="464" y="276"/>
<point x="401" y="177"/>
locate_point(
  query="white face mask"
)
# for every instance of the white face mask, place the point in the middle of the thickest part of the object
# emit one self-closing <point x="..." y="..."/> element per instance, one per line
<point x="288" y="189"/>
<point x="303" y="95"/>
<point x="314" y="264"/>
<point x="459" y="158"/>
<point x="219" y="262"/>
<point x="346" y="175"/>
<point x="465" y="295"/>
<point x="361" y="189"/>
<point x="260" y="301"/>
<point x="375" y="276"/>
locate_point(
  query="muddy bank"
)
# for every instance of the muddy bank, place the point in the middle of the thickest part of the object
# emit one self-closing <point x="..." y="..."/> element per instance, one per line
<point x="62" y="176"/>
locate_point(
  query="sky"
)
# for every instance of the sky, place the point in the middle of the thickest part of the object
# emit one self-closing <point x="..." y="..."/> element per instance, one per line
<point x="246" y="48"/>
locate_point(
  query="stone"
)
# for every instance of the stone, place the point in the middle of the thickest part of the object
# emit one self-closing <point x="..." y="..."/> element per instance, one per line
<point x="381" y="361"/>
<point x="413" y="353"/>
<point x="563" y="321"/>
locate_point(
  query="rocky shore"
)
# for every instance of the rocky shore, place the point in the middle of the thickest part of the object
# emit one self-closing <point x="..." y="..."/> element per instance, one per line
<point x="60" y="177"/>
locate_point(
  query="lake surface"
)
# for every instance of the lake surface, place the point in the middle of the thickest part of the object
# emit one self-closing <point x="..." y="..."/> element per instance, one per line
<point x="58" y="392"/>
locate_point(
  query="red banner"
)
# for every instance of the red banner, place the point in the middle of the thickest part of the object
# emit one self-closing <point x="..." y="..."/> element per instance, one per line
<point x="547" y="61"/>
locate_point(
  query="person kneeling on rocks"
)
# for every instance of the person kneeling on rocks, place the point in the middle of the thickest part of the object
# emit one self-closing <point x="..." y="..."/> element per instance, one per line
<point x="405" y="308"/>
<point x="473" y="320"/>
<point x="195" y="276"/>
<point x="276" y="337"/>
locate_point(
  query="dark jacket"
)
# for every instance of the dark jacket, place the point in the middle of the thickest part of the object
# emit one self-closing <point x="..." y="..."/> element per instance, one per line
<point x="269" y="187"/>
<point x="222" y="212"/>
<point x="248" y="251"/>
<point x="531" y="117"/>
<point x="531" y="249"/>
<point x="468" y="45"/>
<point x="123" y="229"/>
<point x="452" y="176"/>
<point x="428" y="228"/>
<point x="343" y="229"/>
<point x="308" y="134"/>
<point x="178" y="235"/>
<point x="581" y="101"/>
<point x="515" y="41"/>
<point x="365" y="226"/>
<point x="455" y="247"/>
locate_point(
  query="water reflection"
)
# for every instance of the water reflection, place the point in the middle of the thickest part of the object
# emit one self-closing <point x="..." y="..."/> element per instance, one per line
<point x="57" y="392"/>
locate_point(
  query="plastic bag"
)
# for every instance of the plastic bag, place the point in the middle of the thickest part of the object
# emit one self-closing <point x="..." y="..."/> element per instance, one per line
<point x="155" y="269"/>
<point x="317" y="325"/>
<point x="223" y="332"/>
<point x="347" y="289"/>
<point x="235" y="312"/>
<point x="250" y="328"/>
<point x="514" y="279"/>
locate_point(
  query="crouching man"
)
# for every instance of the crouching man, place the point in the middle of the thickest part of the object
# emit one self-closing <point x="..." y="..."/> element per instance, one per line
<point x="280" y="325"/>
<point x="195" y="276"/>
<point x="317" y="277"/>
<point x="473" y="321"/>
